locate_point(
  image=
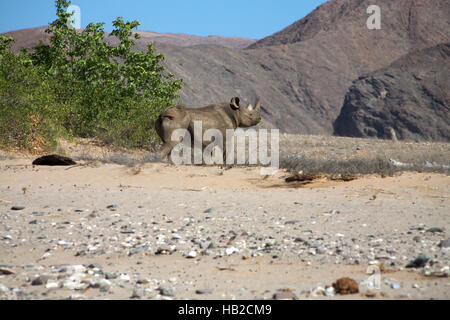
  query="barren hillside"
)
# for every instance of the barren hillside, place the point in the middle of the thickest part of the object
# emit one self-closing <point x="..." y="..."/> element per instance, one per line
<point x="303" y="72"/>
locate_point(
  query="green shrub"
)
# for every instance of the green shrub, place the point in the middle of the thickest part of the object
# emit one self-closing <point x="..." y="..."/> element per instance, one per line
<point x="79" y="84"/>
<point x="28" y="109"/>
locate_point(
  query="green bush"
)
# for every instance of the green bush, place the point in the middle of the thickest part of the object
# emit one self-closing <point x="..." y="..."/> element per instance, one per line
<point x="28" y="109"/>
<point x="81" y="85"/>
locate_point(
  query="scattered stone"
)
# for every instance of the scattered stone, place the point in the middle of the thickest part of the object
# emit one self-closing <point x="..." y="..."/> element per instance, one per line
<point x="138" y="293"/>
<point x="329" y="291"/>
<point x="166" y="290"/>
<point x="127" y="230"/>
<point x="395" y="285"/>
<point x="205" y="244"/>
<point x="418" y="262"/>
<point x="74" y="269"/>
<point x="163" y="249"/>
<point x="112" y="207"/>
<point x="17" y="208"/>
<point x="110" y="276"/>
<point x="204" y="291"/>
<point x="124" y="277"/>
<point x="53" y="160"/>
<point x="284" y="294"/>
<point x="40" y="280"/>
<point x="74" y="282"/>
<point x="318" y="291"/>
<point x="346" y="286"/>
<point x="6" y="271"/>
<point x="137" y="250"/>
<point x="370" y="294"/>
<point x="444" y="243"/>
<point x="95" y="265"/>
<point x="208" y="210"/>
<point x="102" y="284"/>
<point x="191" y="254"/>
<point x="52" y="284"/>
<point x="434" y="229"/>
<point x="3" y="289"/>
<point x="229" y="251"/>
<point x="94" y="214"/>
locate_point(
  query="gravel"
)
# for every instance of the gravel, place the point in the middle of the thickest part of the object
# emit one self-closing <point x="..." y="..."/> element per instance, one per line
<point x="164" y="244"/>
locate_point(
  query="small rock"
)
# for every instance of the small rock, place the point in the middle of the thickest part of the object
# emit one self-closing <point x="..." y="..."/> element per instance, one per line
<point x="127" y="231"/>
<point x="418" y="262"/>
<point x="191" y="254"/>
<point x="204" y="291"/>
<point x="284" y="295"/>
<point x="208" y="210"/>
<point x="74" y="269"/>
<point x="124" y="277"/>
<point x="318" y="291"/>
<point x="40" y="280"/>
<point x="444" y="243"/>
<point x="138" y="293"/>
<point x="346" y="286"/>
<point x="166" y="291"/>
<point x="17" y="208"/>
<point x="434" y="229"/>
<point x="3" y="289"/>
<point x="52" y="284"/>
<point x="163" y="249"/>
<point x="330" y="292"/>
<point x="370" y="294"/>
<point x="205" y="244"/>
<point x="95" y="265"/>
<point x="74" y="282"/>
<point x="6" y="271"/>
<point x="100" y="284"/>
<point x="53" y="160"/>
<point x="136" y="250"/>
<point x="231" y="250"/>
<point x="395" y="285"/>
<point x="109" y="275"/>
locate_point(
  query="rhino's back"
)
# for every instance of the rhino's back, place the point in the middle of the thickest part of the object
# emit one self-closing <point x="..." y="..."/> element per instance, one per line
<point x="218" y="116"/>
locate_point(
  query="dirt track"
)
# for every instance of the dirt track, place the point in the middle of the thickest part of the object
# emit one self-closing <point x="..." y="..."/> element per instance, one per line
<point x="176" y="232"/>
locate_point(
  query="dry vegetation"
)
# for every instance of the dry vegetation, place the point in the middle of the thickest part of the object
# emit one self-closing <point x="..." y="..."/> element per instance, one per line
<point x="305" y="155"/>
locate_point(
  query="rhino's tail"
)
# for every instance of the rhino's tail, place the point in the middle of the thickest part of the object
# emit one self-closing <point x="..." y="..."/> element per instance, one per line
<point x="169" y="120"/>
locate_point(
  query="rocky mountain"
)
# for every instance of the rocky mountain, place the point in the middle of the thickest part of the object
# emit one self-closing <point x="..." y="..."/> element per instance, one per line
<point x="303" y="82"/>
<point x="411" y="97"/>
<point x="27" y="38"/>
<point x="303" y="72"/>
<point x="186" y="40"/>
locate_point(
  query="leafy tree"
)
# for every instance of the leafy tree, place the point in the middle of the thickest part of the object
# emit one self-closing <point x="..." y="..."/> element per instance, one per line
<point x="99" y="87"/>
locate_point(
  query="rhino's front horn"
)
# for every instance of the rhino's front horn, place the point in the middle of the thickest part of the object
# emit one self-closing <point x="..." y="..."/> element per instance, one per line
<point x="235" y="103"/>
<point x="258" y="104"/>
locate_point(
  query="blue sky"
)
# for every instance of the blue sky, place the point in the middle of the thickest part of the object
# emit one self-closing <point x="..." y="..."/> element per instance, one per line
<point x="244" y="18"/>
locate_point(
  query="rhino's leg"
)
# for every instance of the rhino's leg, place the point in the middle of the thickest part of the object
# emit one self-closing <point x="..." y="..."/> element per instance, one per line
<point x="166" y="149"/>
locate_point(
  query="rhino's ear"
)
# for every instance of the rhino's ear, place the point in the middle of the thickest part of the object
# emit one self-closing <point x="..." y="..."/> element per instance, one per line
<point x="258" y="105"/>
<point x="234" y="103"/>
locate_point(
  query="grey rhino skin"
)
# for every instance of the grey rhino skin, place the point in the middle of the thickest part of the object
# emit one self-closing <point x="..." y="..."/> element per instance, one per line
<point x="222" y="116"/>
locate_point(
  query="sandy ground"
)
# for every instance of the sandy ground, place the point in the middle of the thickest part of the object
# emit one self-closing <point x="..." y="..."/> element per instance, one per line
<point x="192" y="232"/>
